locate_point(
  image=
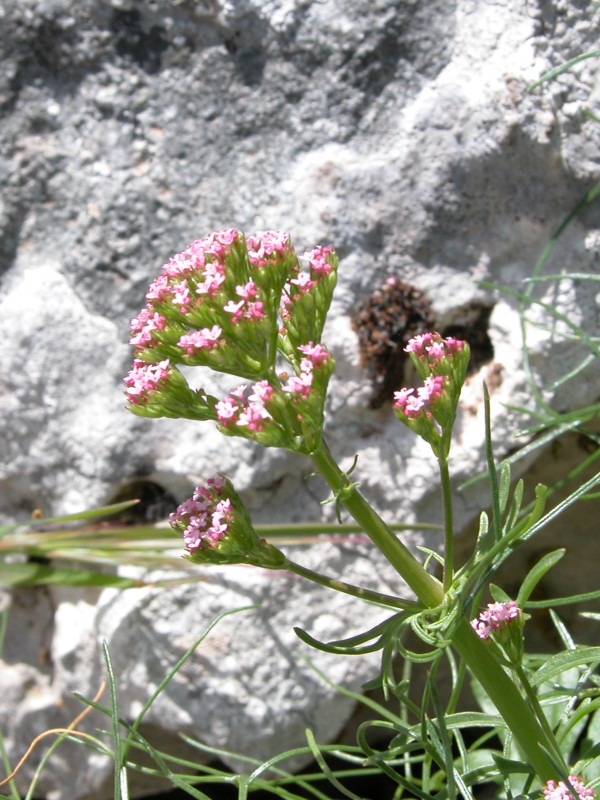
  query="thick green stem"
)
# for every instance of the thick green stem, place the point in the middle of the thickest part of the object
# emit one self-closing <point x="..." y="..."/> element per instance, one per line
<point x="448" y="523"/>
<point x="534" y="741"/>
<point x="502" y="691"/>
<point x="348" y="588"/>
<point x="424" y="585"/>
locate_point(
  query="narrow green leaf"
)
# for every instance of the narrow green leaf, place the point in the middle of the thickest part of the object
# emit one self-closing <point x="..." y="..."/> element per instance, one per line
<point x="114" y="715"/>
<point x="504" y="486"/>
<point x="94" y="512"/>
<point x="536" y="573"/>
<point x="553" y="73"/>
<point x="33" y="574"/>
<point x="561" y="662"/>
<point x="565" y="601"/>
<point x="318" y="756"/>
<point x="336" y="648"/>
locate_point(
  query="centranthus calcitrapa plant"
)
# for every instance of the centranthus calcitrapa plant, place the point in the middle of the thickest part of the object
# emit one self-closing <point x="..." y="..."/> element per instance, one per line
<point x="253" y="308"/>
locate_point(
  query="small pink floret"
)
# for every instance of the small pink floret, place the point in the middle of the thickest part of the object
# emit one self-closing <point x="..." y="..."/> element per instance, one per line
<point x="299" y="385"/>
<point x="262" y="391"/>
<point x="227" y="410"/>
<point x="253" y="417"/>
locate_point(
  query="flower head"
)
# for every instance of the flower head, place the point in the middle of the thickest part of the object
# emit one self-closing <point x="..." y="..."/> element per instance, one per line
<point x="218" y="304"/>
<point x="307" y="296"/>
<point x="143" y="380"/>
<point x="558" y="790"/>
<point x="216" y="527"/>
<point x="160" y="390"/>
<point x="431" y="409"/>
<point x="501" y="624"/>
<point x="494" y="618"/>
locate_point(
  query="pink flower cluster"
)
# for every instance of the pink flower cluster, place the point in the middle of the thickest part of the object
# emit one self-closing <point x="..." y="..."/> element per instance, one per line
<point x="196" y="276"/>
<point x="144" y="379"/>
<point x="317" y="259"/>
<point x="262" y="247"/>
<point x="559" y="790"/>
<point x="205" y="517"/>
<point x="247" y="307"/>
<point x="246" y="406"/>
<point x="495" y="617"/>
<point x="315" y="354"/>
<point x="304" y="282"/>
<point x="204" y="339"/>
<point x="413" y="403"/>
<point x="432" y="348"/>
<point x="143" y="326"/>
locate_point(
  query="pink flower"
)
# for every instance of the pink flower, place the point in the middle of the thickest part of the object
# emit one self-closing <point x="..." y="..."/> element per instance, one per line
<point x="227" y="411"/>
<point x="315" y="353"/>
<point x="256" y="310"/>
<point x="235" y="309"/>
<point x="214" y="276"/>
<point x="304" y="282"/>
<point x="159" y="289"/>
<point x="205" y="339"/>
<point x="262" y="392"/>
<point x="413" y="404"/>
<point x="244" y="308"/>
<point x="559" y="790"/>
<point x="432" y="348"/>
<point x="246" y="291"/>
<point x="143" y="326"/>
<point x="253" y="416"/>
<point x="181" y="297"/>
<point x="495" y="617"/>
<point x="144" y="379"/>
<point x="420" y="344"/>
<point x="299" y="385"/>
<point x="317" y="258"/>
<point x="204" y="519"/>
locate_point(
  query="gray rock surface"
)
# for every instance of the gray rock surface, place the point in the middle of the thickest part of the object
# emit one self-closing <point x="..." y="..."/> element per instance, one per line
<point x="401" y="133"/>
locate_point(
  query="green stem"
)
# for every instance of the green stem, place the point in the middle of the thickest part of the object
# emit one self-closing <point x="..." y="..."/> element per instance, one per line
<point x="448" y="523"/>
<point x="348" y="588"/>
<point x="534" y="741"/>
<point x="424" y="585"/>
